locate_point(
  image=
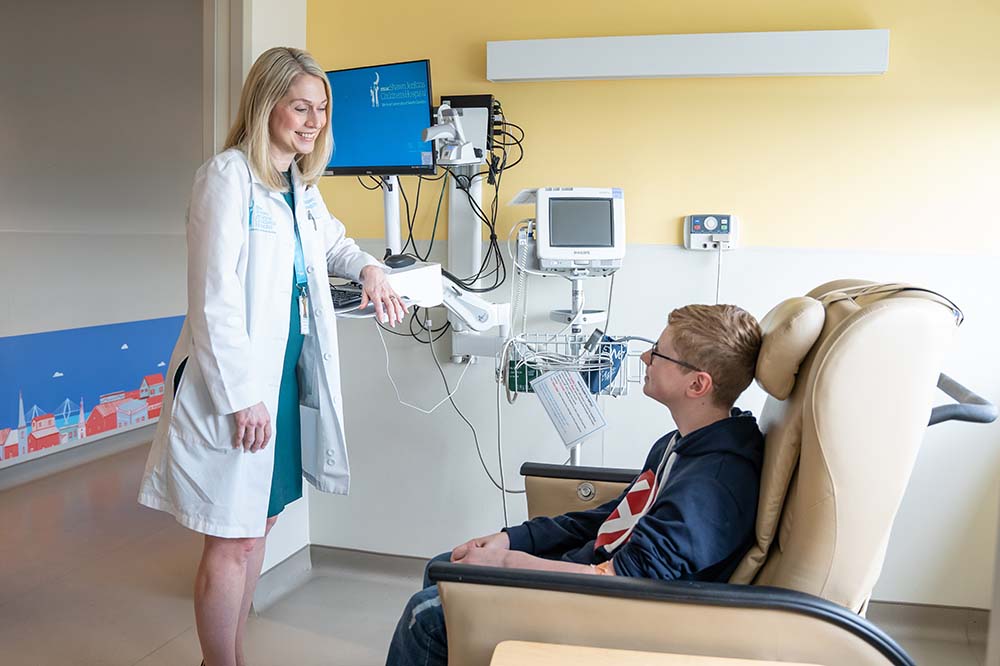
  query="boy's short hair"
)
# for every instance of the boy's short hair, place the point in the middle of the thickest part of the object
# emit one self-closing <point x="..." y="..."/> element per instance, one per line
<point x="722" y="340"/>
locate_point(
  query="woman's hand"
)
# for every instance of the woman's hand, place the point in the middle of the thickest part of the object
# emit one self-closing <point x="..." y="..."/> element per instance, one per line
<point x="376" y="289"/>
<point x="253" y="428"/>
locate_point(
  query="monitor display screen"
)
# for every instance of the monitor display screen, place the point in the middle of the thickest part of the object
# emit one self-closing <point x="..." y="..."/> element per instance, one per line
<point x="378" y="118"/>
<point x="581" y="223"/>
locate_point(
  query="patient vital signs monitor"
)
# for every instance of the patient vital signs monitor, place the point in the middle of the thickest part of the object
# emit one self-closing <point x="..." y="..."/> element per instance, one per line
<point x="379" y="113"/>
<point x="579" y="229"/>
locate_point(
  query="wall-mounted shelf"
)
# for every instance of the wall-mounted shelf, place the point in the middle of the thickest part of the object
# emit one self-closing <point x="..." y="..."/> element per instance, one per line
<point x="800" y="53"/>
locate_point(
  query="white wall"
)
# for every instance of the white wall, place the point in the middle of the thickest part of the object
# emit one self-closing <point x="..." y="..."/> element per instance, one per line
<point x="100" y="133"/>
<point x="418" y="489"/>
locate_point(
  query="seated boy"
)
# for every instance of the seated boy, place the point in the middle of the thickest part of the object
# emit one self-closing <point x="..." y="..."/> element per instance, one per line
<point x="688" y="515"/>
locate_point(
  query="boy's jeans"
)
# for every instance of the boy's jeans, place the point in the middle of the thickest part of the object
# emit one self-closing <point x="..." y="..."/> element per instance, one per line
<point x="420" y="638"/>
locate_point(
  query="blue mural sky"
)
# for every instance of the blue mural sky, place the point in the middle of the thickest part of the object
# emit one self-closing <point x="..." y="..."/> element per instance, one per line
<point x="89" y="362"/>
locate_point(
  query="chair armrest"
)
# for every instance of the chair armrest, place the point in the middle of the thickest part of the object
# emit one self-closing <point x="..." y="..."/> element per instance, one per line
<point x="603" y="474"/>
<point x="486" y="605"/>
<point x="967" y="407"/>
<point x="556" y="489"/>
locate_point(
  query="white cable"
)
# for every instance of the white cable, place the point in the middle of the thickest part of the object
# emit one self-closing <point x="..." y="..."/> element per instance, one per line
<point x="503" y="485"/>
<point x="396" y="388"/>
<point x="603" y="430"/>
<point x="475" y="434"/>
<point x="611" y="296"/>
<point x="718" y="275"/>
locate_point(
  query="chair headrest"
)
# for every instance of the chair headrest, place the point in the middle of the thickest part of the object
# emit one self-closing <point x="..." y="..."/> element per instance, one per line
<point x="789" y="331"/>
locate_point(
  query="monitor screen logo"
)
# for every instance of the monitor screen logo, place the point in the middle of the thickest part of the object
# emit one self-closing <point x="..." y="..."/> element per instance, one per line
<point x="374" y="92"/>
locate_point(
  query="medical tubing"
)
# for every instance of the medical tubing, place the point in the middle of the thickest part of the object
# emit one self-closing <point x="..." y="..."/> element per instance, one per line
<point x="396" y="388"/>
<point x="518" y="286"/>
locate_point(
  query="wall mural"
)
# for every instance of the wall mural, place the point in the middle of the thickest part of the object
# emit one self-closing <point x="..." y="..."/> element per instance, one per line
<point x="61" y="389"/>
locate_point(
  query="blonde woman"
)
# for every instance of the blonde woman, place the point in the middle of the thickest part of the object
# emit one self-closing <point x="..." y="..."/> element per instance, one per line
<point x="253" y="401"/>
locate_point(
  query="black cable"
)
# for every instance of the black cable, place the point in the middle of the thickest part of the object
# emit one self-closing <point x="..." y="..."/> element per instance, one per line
<point x="370" y="189"/>
<point x="416" y="207"/>
<point x="409" y="220"/>
<point x="500" y="269"/>
<point x="437" y="215"/>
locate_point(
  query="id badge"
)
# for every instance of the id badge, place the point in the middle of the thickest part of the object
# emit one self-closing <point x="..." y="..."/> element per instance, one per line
<point x="303" y="313"/>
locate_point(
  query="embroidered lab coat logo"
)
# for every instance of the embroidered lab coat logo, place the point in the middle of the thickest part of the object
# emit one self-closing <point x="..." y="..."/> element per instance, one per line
<point x="261" y="220"/>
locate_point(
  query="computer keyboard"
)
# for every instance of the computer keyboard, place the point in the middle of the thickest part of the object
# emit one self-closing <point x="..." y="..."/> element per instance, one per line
<point x="345" y="297"/>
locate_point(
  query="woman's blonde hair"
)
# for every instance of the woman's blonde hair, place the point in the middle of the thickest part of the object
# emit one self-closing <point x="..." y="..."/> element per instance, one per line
<point x="722" y="340"/>
<point x="268" y="81"/>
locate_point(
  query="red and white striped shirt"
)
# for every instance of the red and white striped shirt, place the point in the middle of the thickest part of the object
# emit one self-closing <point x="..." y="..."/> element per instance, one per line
<point x="617" y="529"/>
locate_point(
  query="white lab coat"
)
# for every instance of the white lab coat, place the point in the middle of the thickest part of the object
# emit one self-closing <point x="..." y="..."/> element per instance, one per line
<point x="234" y="335"/>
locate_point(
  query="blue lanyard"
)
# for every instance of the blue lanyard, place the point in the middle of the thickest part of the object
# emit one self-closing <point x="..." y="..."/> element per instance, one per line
<point x="301" y="279"/>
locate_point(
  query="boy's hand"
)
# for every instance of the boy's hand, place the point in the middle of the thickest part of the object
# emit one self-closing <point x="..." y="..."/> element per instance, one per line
<point x="496" y="542"/>
<point x="484" y="557"/>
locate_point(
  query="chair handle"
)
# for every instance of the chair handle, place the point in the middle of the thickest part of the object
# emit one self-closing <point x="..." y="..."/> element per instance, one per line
<point x="968" y="406"/>
<point x="579" y="473"/>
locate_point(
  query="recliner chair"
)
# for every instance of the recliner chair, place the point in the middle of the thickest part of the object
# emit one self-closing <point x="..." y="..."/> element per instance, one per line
<point x="850" y="370"/>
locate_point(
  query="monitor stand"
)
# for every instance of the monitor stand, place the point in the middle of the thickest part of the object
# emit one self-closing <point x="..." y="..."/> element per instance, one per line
<point x="390" y="202"/>
<point x="465" y="229"/>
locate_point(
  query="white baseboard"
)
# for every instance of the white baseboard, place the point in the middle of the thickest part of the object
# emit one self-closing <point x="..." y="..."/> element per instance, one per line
<point x="945" y="623"/>
<point x="297" y="570"/>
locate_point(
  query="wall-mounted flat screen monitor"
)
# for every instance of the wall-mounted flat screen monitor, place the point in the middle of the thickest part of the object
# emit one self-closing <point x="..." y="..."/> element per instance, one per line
<point x="378" y="118"/>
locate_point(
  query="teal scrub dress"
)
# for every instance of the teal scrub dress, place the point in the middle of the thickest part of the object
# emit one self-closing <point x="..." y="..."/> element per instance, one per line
<point x="286" y="480"/>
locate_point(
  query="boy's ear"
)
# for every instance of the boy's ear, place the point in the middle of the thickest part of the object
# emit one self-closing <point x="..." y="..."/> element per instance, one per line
<point x="700" y="385"/>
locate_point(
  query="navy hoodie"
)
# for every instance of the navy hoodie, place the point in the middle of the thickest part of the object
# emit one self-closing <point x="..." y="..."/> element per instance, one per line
<point x="700" y="524"/>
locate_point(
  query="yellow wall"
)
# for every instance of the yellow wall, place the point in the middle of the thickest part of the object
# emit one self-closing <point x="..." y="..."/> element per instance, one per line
<point x="901" y="161"/>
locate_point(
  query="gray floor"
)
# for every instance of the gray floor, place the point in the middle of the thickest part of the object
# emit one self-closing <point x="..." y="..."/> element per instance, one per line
<point x="89" y="578"/>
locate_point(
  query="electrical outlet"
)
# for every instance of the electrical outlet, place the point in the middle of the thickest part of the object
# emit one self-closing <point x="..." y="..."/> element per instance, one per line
<point x="711" y="232"/>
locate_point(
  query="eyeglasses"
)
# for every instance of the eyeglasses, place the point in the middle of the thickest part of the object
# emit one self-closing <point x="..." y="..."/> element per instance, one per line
<point x="653" y="352"/>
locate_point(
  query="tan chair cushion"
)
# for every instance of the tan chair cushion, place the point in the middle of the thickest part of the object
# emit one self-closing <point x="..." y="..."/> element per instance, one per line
<point x="790" y="330"/>
<point x="839" y="450"/>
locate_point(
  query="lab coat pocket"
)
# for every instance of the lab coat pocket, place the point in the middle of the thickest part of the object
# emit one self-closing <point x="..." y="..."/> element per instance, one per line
<point x="193" y="417"/>
<point x="312" y="439"/>
<point x="308" y="378"/>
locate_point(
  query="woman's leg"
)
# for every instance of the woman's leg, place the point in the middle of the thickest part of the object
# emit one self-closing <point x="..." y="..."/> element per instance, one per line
<point x="254" y="563"/>
<point x="218" y="595"/>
